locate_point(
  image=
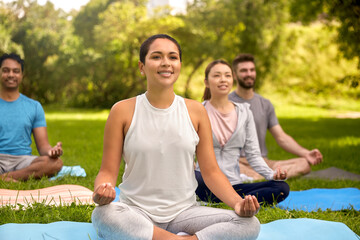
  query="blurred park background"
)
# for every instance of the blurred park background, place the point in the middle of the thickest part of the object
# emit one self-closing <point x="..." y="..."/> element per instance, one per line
<point x="307" y="52"/>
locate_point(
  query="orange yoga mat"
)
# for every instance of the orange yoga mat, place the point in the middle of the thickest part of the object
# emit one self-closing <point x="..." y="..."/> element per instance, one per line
<point x="58" y="195"/>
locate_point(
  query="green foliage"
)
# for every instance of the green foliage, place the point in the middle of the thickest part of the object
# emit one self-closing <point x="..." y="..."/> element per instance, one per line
<point x="6" y="44"/>
<point x="223" y="29"/>
<point x="310" y="69"/>
<point x="346" y="12"/>
<point x="89" y="58"/>
<point x="87" y="18"/>
<point x="113" y="75"/>
<point x="39" y="30"/>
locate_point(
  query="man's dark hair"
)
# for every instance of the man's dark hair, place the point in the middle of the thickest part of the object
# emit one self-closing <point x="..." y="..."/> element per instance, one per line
<point x="145" y="46"/>
<point x="13" y="56"/>
<point x="243" y="57"/>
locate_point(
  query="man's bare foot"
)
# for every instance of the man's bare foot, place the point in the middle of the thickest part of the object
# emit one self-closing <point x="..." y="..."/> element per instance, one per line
<point x="6" y="178"/>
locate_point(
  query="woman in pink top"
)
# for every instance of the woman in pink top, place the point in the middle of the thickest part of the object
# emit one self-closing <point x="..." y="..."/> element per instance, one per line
<point x="233" y="129"/>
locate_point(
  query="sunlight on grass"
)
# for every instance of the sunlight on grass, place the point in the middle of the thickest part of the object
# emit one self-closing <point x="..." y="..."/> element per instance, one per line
<point x="295" y="111"/>
<point x="91" y="115"/>
<point x="287" y="110"/>
<point x="302" y="105"/>
<point x="345" y="141"/>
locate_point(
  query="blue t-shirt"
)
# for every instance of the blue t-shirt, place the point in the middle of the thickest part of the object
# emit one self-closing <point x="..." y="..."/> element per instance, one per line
<point x="17" y="121"/>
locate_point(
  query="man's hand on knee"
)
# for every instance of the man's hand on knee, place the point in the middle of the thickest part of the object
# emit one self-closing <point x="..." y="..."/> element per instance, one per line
<point x="314" y="157"/>
<point x="56" y="151"/>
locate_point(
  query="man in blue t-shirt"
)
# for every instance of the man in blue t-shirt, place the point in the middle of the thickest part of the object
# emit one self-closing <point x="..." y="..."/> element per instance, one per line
<point x="265" y="119"/>
<point x="21" y="116"/>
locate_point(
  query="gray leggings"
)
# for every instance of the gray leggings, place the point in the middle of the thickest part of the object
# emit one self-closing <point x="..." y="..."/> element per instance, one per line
<point x="120" y="221"/>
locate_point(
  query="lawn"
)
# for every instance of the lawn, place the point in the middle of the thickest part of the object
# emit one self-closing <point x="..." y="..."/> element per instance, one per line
<point x="81" y="133"/>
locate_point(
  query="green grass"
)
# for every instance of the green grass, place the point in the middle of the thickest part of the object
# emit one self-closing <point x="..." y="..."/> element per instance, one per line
<point x="81" y="132"/>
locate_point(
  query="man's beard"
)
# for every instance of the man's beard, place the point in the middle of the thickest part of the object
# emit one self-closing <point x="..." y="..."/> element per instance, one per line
<point x="242" y="83"/>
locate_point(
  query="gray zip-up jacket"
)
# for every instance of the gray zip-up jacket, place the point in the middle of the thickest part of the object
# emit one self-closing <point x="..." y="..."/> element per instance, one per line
<point x="244" y="137"/>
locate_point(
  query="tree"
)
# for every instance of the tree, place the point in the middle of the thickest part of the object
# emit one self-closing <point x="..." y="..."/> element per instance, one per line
<point x="345" y="12"/>
<point x="8" y="19"/>
<point x="113" y="74"/>
<point x="88" y="17"/>
<point x="223" y="29"/>
<point x="40" y="32"/>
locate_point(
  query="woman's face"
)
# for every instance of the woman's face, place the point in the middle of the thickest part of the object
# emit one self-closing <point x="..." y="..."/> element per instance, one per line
<point x="162" y="63"/>
<point x="220" y="80"/>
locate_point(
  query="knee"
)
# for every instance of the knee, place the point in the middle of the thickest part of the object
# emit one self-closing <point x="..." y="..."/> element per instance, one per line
<point x="98" y="213"/>
<point x="59" y="165"/>
<point x="244" y="228"/>
<point x="109" y="214"/>
<point x="284" y="190"/>
<point x="103" y="215"/>
<point x="279" y="190"/>
<point x="98" y="218"/>
<point x="253" y="229"/>
<point x="55" y="165"/>
<point x="118" y="221"/>
<point x="49" y="166"/>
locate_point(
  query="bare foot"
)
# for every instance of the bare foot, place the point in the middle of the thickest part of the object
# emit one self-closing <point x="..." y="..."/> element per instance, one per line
<point x="6" y="178"/>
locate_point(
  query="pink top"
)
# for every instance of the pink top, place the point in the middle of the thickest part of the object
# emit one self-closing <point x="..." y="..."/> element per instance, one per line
<point x="223" y="125"/>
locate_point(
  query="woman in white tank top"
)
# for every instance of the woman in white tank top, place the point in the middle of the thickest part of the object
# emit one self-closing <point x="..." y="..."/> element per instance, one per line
<point x="157" y="134"/>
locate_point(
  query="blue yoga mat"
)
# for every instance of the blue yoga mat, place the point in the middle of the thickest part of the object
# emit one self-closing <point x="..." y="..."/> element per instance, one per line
<point x="315" y="199"/>
<point x="117" y="190"/>
<point x="294" y="229"/>
<point x="305" y="228"/>
<point x="56" y="230"/>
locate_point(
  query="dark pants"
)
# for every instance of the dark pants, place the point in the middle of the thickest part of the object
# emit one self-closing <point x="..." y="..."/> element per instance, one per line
<point x="267" y="192"/>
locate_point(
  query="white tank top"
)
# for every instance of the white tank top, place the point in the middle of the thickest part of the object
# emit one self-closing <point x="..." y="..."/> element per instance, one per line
<point x="159" y="150"/>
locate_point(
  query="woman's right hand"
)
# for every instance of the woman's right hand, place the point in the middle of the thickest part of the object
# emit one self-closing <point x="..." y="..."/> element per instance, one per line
<point x="248" y="207"/>
<point x="280" y="174"/>
<point x="104" y="194"/>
